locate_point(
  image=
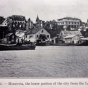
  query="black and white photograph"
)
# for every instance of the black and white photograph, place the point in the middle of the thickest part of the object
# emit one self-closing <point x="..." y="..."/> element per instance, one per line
<point x="43" y="39"/>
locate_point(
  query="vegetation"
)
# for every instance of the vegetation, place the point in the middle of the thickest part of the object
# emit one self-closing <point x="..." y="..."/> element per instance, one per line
<point x="53" y="28"/>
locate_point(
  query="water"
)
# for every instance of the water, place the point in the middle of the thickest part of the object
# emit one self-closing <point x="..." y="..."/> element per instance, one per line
<point x="45" y="61"/>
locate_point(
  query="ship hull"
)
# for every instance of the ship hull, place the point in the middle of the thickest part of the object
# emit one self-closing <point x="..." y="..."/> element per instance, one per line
<point x="17" y="47"/>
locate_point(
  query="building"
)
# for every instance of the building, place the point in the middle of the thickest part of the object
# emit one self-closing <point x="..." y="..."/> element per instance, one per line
<point x="18" y="37"/>
<point x="39" y="23"/>
<point x="29" y="24"/>
<point x="70" y="36"/>
<point x="37" y="35"/>
<point x="16" y="22"/>
<point x="1" y="19"/>
<point x="69" y="23"/>
<point x="86" y="26"/>
<point x="3" y="27"/>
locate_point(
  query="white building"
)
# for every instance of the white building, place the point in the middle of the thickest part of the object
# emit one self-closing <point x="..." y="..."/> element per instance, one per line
<point x="69" y="21"/>
<point x="37" y="34"/>
<point x="71" y="36"/>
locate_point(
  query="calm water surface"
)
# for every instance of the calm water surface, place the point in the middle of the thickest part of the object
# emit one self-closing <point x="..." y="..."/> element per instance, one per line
<point x="45" y="61"/>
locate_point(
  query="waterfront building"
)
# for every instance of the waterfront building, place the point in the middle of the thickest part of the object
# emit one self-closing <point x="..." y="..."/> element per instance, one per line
<point x="18" y="37"/>
<point x="37" y="34"/>
<point x="69" y="23"/>
<point x="70" y="36"/>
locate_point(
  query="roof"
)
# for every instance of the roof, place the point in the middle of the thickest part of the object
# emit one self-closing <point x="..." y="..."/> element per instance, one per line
<point x="22" y="31"/>
<point x="69" y="18"/>
<point x="18" y="17"/>
<point x="3" y="25"/>
<point x="84" y="38"/>
<point x="9" y="34"/>
<point x="69" y="36"/>
<point x="71" y="32"/>
<point x="1" y="19"/>
<point x="33" y="31"/>
<point x="19" y="33"/>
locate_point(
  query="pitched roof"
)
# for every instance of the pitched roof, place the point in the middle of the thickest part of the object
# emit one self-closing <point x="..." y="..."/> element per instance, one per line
<point x="69" y="36"/>
<point x="20" y="33"/>
<point x="71" y="32"/>
<point x="1" y="19"/>
<point x="9" y="34"/>
<point x="33" y="31"/>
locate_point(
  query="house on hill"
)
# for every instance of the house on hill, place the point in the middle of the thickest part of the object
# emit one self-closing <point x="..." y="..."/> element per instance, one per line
<point x="38" y="35"/>
<point x="69" y="22"/>
<point x="16" y="22"/>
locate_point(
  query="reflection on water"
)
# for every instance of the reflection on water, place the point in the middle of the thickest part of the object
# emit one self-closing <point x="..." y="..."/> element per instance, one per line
<point x="45" y="61"/>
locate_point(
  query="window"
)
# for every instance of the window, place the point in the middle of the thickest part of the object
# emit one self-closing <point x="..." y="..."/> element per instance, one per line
<point x="62" y="23"/>
<point x="66" y="22"/>
<point x="37" y="35"/>
<point x="20" y="25"/>
<point x="42" y="31"/>
<point x="13" y="37"/>
<point x="78" y="22"/>
<point x="13" y="25"/>
<point x="47" y="36"/>
<point x="30" y="36"/>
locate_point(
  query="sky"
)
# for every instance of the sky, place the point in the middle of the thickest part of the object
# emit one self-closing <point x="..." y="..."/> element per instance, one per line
<point x="46" y="9"/>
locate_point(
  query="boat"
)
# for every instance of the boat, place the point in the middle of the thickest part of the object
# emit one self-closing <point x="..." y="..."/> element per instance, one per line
<point x="17" y="47"/>
<point x="83" y="44"/>
<point x="42" y="43"/>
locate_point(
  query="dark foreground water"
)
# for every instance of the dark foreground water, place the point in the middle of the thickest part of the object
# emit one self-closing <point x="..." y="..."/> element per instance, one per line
<point x="45" y="61"/>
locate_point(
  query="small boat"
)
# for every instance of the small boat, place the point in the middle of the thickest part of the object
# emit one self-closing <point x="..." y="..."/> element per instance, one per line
<point x="42" y="43"/>
<point x="17" y="47"/>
